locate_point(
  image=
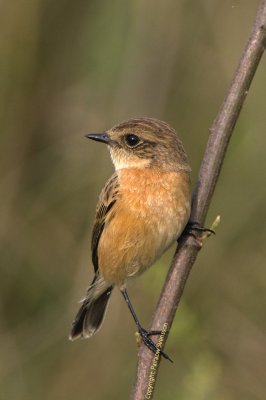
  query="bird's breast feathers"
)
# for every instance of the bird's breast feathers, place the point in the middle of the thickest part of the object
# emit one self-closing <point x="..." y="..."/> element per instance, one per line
<point x="151" y="211"/>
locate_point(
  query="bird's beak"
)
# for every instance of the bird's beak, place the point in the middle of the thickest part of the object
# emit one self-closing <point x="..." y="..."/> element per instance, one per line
<point x="99" y="137"/>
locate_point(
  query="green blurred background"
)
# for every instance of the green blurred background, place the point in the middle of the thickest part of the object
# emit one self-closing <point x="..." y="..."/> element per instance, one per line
<point x="69" y="68"/>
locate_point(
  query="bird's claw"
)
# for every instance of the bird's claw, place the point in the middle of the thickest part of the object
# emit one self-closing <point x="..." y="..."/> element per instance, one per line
<point x="144" y="334"/>
<point x="151" y="332"/>
<point x="195" y="226"/>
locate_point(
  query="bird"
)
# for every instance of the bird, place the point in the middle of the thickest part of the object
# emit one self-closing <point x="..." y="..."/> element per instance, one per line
<point x="142" y="210"/>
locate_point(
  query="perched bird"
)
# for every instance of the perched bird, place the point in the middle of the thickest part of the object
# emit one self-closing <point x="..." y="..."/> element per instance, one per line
<point x="142" y="210"/>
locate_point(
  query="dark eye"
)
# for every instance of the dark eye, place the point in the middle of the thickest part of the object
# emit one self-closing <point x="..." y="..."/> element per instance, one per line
<point x="131" y="139"/>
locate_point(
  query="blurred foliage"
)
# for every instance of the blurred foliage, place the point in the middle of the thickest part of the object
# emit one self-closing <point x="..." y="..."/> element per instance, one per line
<point x="68" y="68"/>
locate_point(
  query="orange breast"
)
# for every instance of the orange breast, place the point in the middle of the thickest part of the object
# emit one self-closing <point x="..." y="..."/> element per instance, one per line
<point x="149" y="215"/>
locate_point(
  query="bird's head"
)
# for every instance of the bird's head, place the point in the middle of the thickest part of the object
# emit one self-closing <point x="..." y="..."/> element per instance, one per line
<point x="144" y="143"/>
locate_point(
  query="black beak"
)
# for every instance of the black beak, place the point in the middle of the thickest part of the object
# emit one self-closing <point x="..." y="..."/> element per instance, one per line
<point x="99" y="137"/>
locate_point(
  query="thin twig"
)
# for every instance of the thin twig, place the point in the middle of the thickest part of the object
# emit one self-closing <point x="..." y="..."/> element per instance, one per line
<point x="188" y="248"/>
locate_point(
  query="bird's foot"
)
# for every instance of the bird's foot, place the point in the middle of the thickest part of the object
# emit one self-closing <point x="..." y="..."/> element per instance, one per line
<point x="144" y="334"/>
<point x="195" y="226"/>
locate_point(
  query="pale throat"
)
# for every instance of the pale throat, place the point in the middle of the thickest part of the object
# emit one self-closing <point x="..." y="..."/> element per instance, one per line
<point x="122" y="160"/>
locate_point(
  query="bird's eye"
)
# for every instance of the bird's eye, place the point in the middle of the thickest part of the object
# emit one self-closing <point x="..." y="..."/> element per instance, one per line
<point x="131" y="139"/>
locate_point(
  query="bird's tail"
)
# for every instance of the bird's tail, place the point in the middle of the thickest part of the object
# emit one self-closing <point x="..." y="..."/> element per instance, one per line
<point x="91" y="313"/>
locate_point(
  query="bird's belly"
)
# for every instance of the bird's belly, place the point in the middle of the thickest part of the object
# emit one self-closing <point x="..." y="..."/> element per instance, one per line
<point x="162" y="229"/>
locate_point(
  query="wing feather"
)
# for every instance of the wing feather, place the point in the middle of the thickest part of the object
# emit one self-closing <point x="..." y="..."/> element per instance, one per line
<point x="107" y="199"/>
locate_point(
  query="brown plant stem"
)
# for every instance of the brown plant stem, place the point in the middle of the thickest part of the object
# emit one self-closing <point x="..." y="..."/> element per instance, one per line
<point x="188" y="247"/>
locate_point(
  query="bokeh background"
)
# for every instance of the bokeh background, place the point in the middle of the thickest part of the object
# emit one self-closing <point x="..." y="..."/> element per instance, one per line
<point x="69" y="68"/>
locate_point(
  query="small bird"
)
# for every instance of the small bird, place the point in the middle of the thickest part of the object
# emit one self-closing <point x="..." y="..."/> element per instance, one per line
<point x="143" y="208"/>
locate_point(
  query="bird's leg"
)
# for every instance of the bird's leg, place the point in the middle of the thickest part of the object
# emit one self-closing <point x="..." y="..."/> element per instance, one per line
<point x="144" y="334"/>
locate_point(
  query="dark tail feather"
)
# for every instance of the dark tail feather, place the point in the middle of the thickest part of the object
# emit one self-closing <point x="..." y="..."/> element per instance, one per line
<point x="91" y="313"/>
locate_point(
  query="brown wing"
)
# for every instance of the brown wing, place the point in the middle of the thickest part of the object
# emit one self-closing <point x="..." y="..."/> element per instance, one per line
<point x="106" y="201"/>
